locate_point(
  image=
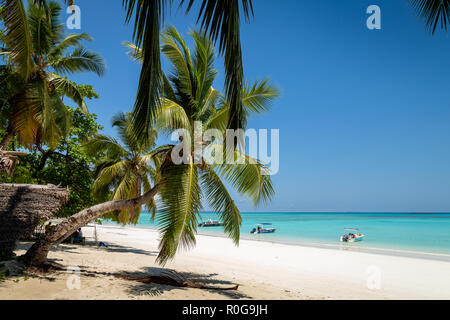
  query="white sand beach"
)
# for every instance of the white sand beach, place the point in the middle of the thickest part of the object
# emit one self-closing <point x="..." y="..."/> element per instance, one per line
<point x="263" y="270"/>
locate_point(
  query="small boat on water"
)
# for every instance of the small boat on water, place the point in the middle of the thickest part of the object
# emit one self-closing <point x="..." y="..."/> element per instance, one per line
<point x="263" y="228"/>
<point x="210" y="223"/>
<point x="351" y="235"/>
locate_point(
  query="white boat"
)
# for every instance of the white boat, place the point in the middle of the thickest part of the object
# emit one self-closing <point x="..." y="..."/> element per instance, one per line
<point x="263" y="228"/>
<point x="352" y="235"/>
<point x="210" y="223"/>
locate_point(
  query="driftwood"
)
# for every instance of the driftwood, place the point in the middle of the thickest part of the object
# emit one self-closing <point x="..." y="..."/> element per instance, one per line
<point x="23" y="208"/>
<point x="174" y="279"/>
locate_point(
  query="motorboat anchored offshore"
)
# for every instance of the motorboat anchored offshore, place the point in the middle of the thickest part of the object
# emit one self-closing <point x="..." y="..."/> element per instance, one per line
<point x="210" y="223"/>
<point x="263" y="228"/>
<point x="351" y="235"/>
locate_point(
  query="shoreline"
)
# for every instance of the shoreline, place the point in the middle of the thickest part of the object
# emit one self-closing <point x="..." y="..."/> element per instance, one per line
<point x="340" y="247"/>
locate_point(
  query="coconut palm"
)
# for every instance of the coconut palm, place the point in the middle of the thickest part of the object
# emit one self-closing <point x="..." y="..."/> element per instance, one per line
<point x="38" y="55"/>
<point x="188" y="99"/>
<point x="128" y="168"/>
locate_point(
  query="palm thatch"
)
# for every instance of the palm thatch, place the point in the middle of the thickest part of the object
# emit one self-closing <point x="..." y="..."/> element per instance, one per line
<point x="22" y="208"/>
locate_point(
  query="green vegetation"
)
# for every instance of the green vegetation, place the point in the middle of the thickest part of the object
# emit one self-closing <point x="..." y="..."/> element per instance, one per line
<point x="32" y="113"/>
<point x="37" y="54"/>
<point x="68" y="165"/>
<point x="127" y="168"/>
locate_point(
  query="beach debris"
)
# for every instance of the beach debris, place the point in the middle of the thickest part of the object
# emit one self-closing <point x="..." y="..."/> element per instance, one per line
<point x="174" y="279"/>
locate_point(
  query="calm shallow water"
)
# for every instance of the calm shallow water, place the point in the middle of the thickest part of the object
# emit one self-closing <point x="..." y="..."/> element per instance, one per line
<point x="397" y="231"/>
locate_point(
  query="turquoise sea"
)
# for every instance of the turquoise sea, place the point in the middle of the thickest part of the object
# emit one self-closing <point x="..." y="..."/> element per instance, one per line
<point x="429" y="233"/>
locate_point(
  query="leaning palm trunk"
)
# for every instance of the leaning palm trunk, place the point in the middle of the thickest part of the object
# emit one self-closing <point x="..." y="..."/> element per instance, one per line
<point x="37" y="254"/>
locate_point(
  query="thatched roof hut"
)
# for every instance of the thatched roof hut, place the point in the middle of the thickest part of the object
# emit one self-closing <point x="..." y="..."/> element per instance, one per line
<point x="22" y="208"/>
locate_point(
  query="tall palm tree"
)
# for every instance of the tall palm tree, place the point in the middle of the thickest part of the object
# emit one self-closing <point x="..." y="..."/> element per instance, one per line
<point x="38" y="54"/>
<point x="188" y="98"/>
<point x="128" y="168"/>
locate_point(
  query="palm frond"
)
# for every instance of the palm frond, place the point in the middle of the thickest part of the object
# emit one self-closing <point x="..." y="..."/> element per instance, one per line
<point x="218" y="119"/>
<point x="222" y="203"/>
<point x="127" y="133"/>
<point x="176" y="51"/>
<point x="221" y="19"/>
<point x="434" y="12"/>
<point x="41" y="27"/>
<point x="147" y="24"/>
<point x="68" y="89"/>
<point x="259" y="97"/>
<point x="150" y="157"/>
<point x="108" y="174"/>
<point x="205" y="73"/>
<point x="57" y="122"/>
<point x="208" y="103"/>
<point x="135" y="53"/>
<point x="80" y="60"/>
<point x="72" y="40"/>
<point x="18" y="36"/>
<point x="25" y="114"/>
<point x="247" y="175"/>
<point x="172" y="117"/>
<point x="178" y="214"/>
<point x="168" y="90"/>
<point x="107" y="144"/>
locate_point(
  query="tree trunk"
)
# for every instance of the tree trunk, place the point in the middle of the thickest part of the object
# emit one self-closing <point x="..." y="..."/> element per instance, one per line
<point x="37" y="254"/>
<point x="9" y="134"/>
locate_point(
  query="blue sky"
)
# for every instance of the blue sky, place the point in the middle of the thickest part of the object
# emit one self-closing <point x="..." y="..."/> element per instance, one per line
<point x="364" y="116"/>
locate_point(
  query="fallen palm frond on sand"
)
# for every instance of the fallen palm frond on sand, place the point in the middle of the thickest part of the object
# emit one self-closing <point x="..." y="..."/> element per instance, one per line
<point x="174" y="279"/>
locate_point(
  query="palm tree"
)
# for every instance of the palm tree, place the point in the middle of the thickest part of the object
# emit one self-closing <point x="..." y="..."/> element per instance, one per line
<point x="37" y="55"/>
<point x="127" y="169"/>
<point x="188" y="98"/>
